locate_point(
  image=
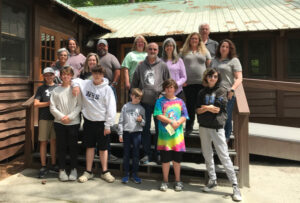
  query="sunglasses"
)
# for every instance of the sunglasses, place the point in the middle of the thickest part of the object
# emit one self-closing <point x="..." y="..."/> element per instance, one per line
<point x="212" y="76"/>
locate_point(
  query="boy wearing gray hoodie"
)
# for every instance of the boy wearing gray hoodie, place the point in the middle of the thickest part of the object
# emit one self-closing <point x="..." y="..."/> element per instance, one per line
<point x="99" y="111"/>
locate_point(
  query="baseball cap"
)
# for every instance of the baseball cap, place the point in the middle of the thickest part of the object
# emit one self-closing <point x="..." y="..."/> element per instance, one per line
<point x="102" y="41"/>
<point x="48" y="70"/>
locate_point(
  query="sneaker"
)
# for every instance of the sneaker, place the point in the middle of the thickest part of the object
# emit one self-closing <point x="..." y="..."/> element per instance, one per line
<point x="54" y="169"/>
<point x="211" y="185"/>
<point x="125" y="179"/>
<point x="163" y="186"/>
<point x="43" y="172"/>
<point x="112" y="158"/>
<point x="236" y="193"/>
<point x="73" y="175"/>
<point x="136" y="179"/>
<point x="85" y="177"/>
<point x="63" y="176"/>
<point x="178" y="186"/>
<point x="108" y="177"/>
<point x="144" y="160"/>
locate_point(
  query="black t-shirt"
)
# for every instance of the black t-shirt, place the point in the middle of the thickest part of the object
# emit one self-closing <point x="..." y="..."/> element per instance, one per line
<point x="43" y="94"/>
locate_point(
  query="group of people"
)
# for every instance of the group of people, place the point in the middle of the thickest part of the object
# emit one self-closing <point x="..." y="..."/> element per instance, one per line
<point x="201" y="80"/>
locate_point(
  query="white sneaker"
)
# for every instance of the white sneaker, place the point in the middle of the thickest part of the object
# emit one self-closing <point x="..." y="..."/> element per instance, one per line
<point x="63" y="176"/>
<point x="85" y="177"/>
<point x="73" y="175"/>
<point x="108" y="177"/>
<point x="211" y="185"/>
<point x="236" y="193"/>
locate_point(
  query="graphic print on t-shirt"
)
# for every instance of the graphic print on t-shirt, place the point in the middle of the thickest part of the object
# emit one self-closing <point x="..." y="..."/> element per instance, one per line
<point x="210" y="98"/>
<point x="48" y="93"/>
<point x="149" y="77"/>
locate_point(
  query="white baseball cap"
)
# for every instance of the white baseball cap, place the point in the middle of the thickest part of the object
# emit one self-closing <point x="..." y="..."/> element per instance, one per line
<point x="48" y="70"/>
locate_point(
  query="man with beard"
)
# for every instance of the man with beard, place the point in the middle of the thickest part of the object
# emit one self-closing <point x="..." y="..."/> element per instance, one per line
<point x="112" y="69"/>
<point x="149" y="77"/>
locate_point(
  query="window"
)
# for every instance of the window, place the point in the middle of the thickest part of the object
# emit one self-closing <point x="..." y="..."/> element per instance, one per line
<point x="293" y="58"/>
<point x="14" y="41"/>
<point x="259" y="58"/>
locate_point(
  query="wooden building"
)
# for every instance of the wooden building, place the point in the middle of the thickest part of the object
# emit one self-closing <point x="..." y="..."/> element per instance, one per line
<point x="31" y="32"/>
<point x="266" y="34"/>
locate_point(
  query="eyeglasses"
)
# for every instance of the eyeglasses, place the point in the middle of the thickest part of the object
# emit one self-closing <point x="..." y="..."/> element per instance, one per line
<point x="213" y="76"/>
<point x="154" y="49"/>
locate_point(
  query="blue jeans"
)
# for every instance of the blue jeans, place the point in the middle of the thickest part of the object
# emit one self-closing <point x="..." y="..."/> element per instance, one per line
<point x="133" y="139"/>
<point x="146" y="134"/>
<point x="228" y="124"/>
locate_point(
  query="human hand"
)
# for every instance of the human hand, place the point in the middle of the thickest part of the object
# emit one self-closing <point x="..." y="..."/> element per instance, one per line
<point x="106" y="132"/>
<point x="175" y="124"/>
<point x="229" y="95"/>
<point x="65" y="120"/>
<point x="139" y="118"/>
<point x="127" y="85"/>
<point x="121" y="139"/>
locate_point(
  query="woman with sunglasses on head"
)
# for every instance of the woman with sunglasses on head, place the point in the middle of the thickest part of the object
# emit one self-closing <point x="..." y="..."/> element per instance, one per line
<point x="228" y="64"/>
<point x="76" y="59"/>
<point x="196" y="58"/>
<point x="211" y="111"/>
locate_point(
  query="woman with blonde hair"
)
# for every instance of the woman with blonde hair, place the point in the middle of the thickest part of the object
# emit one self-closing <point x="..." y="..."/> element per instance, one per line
<point x="92" y="60"/>
<point x="133" y="58"/>
<point x="196" y="58"/>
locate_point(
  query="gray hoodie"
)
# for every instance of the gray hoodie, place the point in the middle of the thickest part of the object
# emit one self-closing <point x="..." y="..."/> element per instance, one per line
<point x="128" y="116"/>
<point x="149" y="78"/>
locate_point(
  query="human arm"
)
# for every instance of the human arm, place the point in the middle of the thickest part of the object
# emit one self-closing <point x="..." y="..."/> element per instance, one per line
<point x="76" y="86"/>
<point x="208" y="58"/>
<point x="121" y="123"/>
<point x="238" y="76"/>
<point x="39" y="104"/>
<point x="77" y="108"/>
<point x="110" y="115"/>
<point x="142" y="117"/>
<point x="182" y="73"/>
<point x="126" y="75"/>
<point x="53" y="109"/>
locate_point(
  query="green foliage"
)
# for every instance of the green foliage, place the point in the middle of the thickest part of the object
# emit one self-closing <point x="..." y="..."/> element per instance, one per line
<point x="80" y="3"/>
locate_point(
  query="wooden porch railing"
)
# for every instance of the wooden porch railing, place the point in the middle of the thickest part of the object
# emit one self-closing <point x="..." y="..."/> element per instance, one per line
<point x="29" y="135"/>
<point x="241" y="132"/>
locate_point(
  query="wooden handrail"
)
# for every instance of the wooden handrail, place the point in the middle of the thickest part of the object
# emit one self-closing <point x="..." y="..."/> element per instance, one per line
<point x="241" y="101"/>
<point x="272" y="85"/>
<point x="28" y="102"/>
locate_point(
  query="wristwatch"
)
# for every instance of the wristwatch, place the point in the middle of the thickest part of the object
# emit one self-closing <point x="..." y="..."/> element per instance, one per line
<point x="232" y="90"/>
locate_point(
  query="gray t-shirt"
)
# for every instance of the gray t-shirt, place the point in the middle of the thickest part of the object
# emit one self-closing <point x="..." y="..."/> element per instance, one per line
<point x="195" y="66"/>
<point x="128" y="116"/>
<point x="212" y="46"/>
<point x="227" y="69"/>
<point x="110" y="63"/>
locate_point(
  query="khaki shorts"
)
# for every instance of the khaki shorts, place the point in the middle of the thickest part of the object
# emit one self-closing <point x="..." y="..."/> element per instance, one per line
<point x="46" y="130"/>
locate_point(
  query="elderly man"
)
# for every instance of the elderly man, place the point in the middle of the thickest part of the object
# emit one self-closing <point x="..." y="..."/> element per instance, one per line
<point x="112" y="73"/>
<point x="210" y="44"/>
<point x="149" y="77"/>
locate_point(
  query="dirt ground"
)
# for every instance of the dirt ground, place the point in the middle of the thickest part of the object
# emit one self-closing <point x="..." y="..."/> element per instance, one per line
<point x="271" y="181"/>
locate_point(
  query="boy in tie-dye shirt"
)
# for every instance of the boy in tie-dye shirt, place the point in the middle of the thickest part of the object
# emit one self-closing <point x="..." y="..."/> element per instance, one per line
<point x="171" y="113"/>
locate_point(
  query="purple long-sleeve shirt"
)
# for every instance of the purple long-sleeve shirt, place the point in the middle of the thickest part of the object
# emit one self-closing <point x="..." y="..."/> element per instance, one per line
<point x="77" y="62"/>
<point x="178" y="73"/>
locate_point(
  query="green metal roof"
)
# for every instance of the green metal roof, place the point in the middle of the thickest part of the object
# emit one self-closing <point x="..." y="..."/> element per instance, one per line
<point x="173" y="17"/>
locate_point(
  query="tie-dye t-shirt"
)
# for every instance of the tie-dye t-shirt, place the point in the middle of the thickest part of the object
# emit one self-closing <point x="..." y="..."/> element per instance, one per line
<point x="173" y="109"/>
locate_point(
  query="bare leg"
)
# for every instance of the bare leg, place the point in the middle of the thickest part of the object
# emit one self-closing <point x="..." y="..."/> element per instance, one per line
<point x="165" y="169"/>
<point x="90" y="152"/>
<point x="176" y="166"/>
<point x="103" y="154"/>
<point x="53" y="151"/>
<point x="43" y="151"/>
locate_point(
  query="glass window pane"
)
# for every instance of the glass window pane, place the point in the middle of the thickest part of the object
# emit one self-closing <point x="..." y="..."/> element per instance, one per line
<point x="14" y="40"/>
<point x="293" y="58"/>
<point x="259" y="58"/>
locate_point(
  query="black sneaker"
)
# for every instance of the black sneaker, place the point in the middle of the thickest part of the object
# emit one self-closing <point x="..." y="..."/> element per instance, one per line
<point x="43" y="172"/>
<point x="54" y="169"/>
<point x="211" y="185"/>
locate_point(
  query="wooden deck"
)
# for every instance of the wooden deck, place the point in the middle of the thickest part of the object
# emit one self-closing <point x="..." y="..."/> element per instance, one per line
<point x="274" y="141"/>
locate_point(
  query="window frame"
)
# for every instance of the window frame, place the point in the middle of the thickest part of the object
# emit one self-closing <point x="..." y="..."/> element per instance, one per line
<point x="27" y="40"/>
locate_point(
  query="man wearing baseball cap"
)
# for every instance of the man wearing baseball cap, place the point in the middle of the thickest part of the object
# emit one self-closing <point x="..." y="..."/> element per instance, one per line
<point x="46" y="126"/>
<point x="112" y="69"/>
